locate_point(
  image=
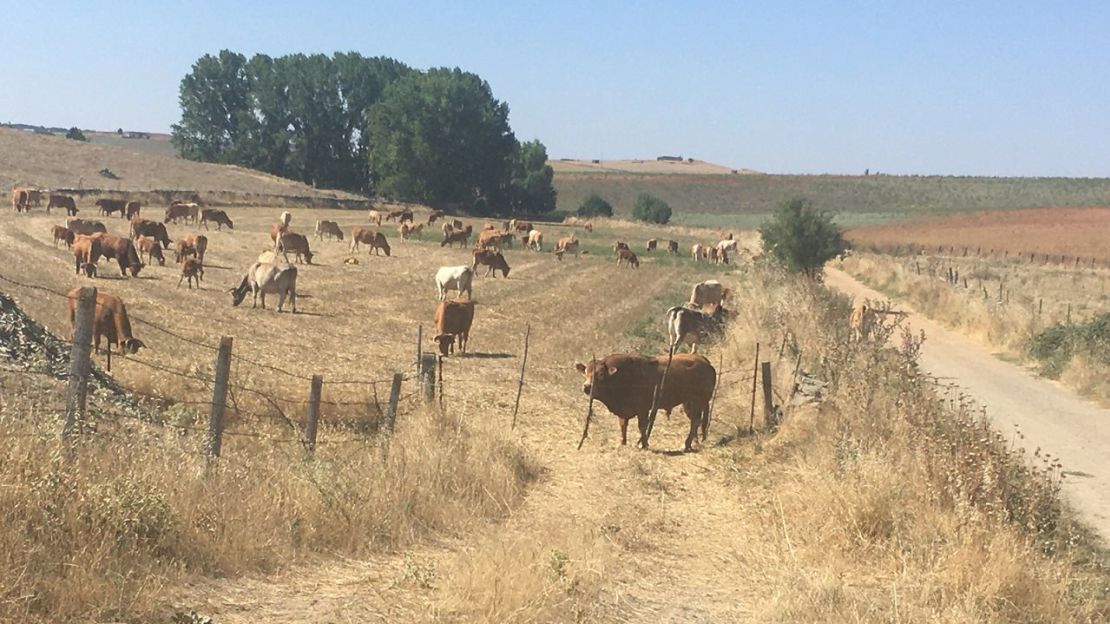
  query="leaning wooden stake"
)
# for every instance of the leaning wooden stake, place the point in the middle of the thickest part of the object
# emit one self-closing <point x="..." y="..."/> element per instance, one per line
<point x="520" y="384"/>
<point x="589" y="410"/>
<point x="655" y="397"/>
<point x="219" y="397"/>
<point x="755" y="378"/>
<point x="79" y="354"/>
<point x="313" y="416"/>
<point x="428" y="376"/>
<point x="394" y="396"/>
<point x="419" y="346"/>
<point x="769" y="419"/>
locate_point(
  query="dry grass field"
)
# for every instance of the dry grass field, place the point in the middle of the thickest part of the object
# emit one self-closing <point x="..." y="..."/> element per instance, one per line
<point x="1072" y="232"/>
<point x="461" y="519"/>
<point x="685" y="167"/>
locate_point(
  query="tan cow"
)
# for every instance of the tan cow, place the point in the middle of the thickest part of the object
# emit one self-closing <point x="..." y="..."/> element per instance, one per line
<point x="193" y="270"/>
<point x="151" y="248"/>
<point x="535" y="240"/>
<point x="86" y="253"/>
<point x="709" y="292"/>
<point x="296" y="243"/>
<point x="861" y="322"/>
<point x="109" y="321"/>
<point x="192" y="245"/>
<point x="376" y="217"/>
<point x="453" y="322"/>
<point x="329" y="229"/>
<point x="376" y="240"/>
<point x="565" y="245"/>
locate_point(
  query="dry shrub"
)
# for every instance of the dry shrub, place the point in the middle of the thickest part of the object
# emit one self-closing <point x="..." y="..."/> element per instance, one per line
<point x="99" y="535"/>
<point x="892" y="502"/>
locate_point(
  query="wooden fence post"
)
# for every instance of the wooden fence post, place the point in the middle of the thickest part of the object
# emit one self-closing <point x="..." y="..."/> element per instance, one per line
<point x="1040" y="306"/>
<point x="79" y="354"/>
<point x="428" y="376"/>
<point x="419" y="346"/>
<point x="394" y="396"/>
<point x="770" y="421"/>
<point x="755" y="378"/>
<point x="520" y="384"/>
<point x="219" y="397"/>
<point x="1069" y="314"/>
<point x="313" y="413"/>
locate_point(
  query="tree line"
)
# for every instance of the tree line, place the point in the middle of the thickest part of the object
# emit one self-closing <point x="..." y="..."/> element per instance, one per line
<point x="366" y="125"/>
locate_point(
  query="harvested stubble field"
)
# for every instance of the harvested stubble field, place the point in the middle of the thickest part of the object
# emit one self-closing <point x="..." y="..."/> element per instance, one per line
<point x="463" y="520"/>
<point x="1071" y="232"/>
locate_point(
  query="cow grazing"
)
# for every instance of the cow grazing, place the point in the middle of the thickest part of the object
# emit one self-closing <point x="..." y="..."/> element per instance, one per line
<point x="435" y="214"/>
<point x="626" y="255"/>
<point x="376" y="217"/>
<point x="179" y="211"/>
<point x="494" y="260"/>
<point x="329" y="229"/>
<point x="192" y="245"/>
<point x="219" y="217"/>
<point x="408" y="228"/>
<point x="460" y="236"/>
<point x="729" y="244"/>
<point x="61" y="233"/>
<point x="394" y="215"/>
<point x="535" y="240"/>
<point x="625" y="383"/>
<point x="108" y="206"/>
<point x="122" y="250"/>
<point x="296" y="243"/>
<point x="86" y="253"/>
<point x="193" y="270"/>
<point x="151" y="229"/>
<point x="62" y="201"/>
<point x="693" y="326"/>
<point x="672" y="247"/>
<point x="709" y="292"/>
<point x="151" y="249"/>
<point x="447" y="228"/>
<point x="78" y="226"/>
<point x="376" y="240"/>
<point x="589" y="227"/>
<point x="132" y="210"/>
<point x="460" y="278"/>
<point x="453" y="321"/>
<point x="619" y="245"/>
<point x="109" y="321"/>
<point x="652" y="244"/>
<point x="491" y="239"/>
<point x="263" y="279"/>
<point x="565" y="245"/>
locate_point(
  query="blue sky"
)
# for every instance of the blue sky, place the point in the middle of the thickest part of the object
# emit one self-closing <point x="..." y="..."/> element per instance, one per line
<point x="978" y="88"/>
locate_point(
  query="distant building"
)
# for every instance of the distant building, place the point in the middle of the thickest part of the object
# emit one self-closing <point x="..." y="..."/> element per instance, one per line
<point x="671" y="158"/>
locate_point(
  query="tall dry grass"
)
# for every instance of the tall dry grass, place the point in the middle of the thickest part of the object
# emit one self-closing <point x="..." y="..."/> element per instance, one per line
<point x="1033" y="298"/>
<point x="100" y="534"/>
<point x="892" y="501"/>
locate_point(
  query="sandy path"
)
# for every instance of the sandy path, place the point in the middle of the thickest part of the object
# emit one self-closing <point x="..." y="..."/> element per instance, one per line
<point x="1051" y="418"/>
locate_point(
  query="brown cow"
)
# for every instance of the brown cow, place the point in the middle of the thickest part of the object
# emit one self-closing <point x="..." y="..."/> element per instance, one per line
<point x="565" y="245"/>
<point x="376" y="240"/>
<point x="133" y="208"/>
<point x="619" y="245"/>
<point x="61" y="233"/>
<point x="193" y="245"/>
<point x="435" y="214"/>
<point x="177" y="211"/>
<point x="34" y="198"/>
<point x="296" y="243"/>
<point x="672" y="247"/>
<point x="108" y="206"/>
<point x="626" y="255"/>
<point x="625" y="383"/>
<point x="152" y="229"/>
<point x="491" y="238"/>
<point x="122" y="250"/>
<point x="62" y="201"/>
<point x="407" y="228"/>
<point x="150" y="248"/>
<point x="20" y="201"/>
<point x="191" y="270"/>
<point x="84" y="226"/>
<point x="589" y="226"/>
<point x="327" y="228"/>
<point x="461" y="237"/>
<point x="110" y="321"/>
<point x="652" y="244"/>
<point x="453" y="321"/>
<point x="86" y="253"/>
<point x="493" y="260"/>
<point x="219" y="217"/>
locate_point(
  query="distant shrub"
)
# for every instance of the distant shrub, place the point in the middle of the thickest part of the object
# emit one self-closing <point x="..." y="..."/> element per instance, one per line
<point x="76" y="134"/>
<point x="802" y="238"/>
<point x="1055" y="347"/>
<point x="595" y="206"/>
<point x="651" y="209"/>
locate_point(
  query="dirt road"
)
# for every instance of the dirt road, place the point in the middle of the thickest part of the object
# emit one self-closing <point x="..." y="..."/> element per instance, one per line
<point x="1048" y="416"/>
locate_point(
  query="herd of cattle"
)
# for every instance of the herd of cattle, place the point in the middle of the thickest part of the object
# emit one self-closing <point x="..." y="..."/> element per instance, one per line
<point x="625" y="383"/>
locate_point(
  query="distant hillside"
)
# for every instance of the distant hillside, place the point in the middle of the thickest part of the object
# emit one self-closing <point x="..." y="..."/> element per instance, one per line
<point x="153" y="143"/>
<point x="675" y="165"/>
<point x="746" y="200"/>
<point x="48" y="161"/>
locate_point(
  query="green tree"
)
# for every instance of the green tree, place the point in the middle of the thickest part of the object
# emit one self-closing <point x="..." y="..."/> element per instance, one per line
<point x="802" y="238"/>
<point x="595" y="206"/>
<point x="76" y="134"/>
<point x="216" y="115"/>
<point x="651" y="209"/>
<point x="440" y="137"/>
<point x="531" y="188"/>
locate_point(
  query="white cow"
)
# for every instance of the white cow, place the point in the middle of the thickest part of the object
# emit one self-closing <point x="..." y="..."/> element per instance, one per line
<point x="279" y="279"/>
<point x="696" y="251"/>
<point x="708" y="292"/>
<point x="727" y="245"/>
<point x="457" y="278"/>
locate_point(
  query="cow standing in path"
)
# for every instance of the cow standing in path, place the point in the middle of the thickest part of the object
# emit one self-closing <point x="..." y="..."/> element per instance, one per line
<point x="626" y="383"/>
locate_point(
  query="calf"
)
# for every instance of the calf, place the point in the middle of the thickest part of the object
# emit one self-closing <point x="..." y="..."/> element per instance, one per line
<point x="86" y="253"/>
<point x="109" y="320"/>
<point x="453" y="321"/>
<point x="194" y="245"/>
<point x="219" y="217"/>
<point x="626" y="255"/>
<point x="460" y="278"/>
<point x="652" y="244"/>
<point x="61" y="233"/>
<point x="494" y="260"/>
<point x="329" y="229"/>
<point x="376" y="240"/>
<point x="151" y="249"/>
<point x="693" y="326"/>
<point x="376" y="217"/>
<point x="672" y="247"/>
<point x="192" y="269"/>
<point x="626" y="383"/>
